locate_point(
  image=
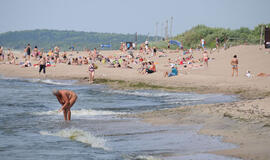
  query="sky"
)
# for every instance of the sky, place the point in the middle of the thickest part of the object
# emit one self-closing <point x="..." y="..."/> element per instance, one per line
<point x="130" y="16"/>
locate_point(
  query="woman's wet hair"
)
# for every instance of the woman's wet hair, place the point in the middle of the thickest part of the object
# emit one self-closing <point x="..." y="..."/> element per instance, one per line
<point x="235" y="56"/>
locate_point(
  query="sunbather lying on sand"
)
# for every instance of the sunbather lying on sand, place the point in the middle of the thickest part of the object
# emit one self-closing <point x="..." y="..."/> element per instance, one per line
<point x="263" y="75"/>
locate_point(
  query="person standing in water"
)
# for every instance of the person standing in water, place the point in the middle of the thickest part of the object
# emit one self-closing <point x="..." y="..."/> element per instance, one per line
<point x="67" y="99"/>
<point x="234" y="63"/>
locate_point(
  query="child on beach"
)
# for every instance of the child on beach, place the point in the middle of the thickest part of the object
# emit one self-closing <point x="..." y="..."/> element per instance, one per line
<point x="205" y="58"/>
<point x="248" y="74"/>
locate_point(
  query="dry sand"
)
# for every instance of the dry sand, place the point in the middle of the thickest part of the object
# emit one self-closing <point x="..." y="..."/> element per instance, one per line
<point x="246" y="122"/>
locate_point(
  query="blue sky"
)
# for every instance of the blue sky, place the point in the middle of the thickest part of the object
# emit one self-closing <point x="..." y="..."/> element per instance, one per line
<point x="130" y="16"/>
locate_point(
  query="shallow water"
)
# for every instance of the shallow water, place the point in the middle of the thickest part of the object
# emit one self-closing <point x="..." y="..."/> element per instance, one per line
<point x="31" y="127"/>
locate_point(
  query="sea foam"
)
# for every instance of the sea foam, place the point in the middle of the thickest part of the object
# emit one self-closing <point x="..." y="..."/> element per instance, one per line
<point x="55" y="82"/>
<point x="82" y="112"/>
<point x="141" y="157"/>
<point x="79" y="136"/>
<point x="140" y="93"/>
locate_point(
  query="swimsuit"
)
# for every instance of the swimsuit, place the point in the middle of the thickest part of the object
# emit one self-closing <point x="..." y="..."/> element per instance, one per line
<point x="234" y="66"/>
<point x="149" y="71"/>
<point x="91" y="68"/>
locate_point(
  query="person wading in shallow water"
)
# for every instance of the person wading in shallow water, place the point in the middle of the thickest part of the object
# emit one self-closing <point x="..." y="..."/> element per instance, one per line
<point x="67" y="99"/>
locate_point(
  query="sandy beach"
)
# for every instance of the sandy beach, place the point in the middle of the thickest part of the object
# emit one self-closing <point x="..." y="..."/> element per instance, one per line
<point x="245" y="122"/>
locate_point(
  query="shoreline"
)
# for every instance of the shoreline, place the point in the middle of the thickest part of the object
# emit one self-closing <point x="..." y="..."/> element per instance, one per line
<point x="245" y="122"/>
<point x="220" y="119"/>
<point x="243" y="93"/>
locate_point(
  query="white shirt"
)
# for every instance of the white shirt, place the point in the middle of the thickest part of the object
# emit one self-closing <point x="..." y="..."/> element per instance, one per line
<point x="202" y="40"/>
<point x="146" y="42"/>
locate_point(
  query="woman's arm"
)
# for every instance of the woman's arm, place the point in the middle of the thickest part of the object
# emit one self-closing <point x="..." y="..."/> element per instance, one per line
<point x="60" y="101"/>
<point x="64" y="101"/>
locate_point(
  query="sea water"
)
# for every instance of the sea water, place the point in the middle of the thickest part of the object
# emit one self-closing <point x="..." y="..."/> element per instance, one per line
<point x="31" y="127"/>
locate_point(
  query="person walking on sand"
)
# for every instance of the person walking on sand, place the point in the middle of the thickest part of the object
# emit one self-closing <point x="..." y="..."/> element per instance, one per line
<point x="91" y="70"/>
<point x="234" y="63"/>
<point x="67" y="99"/>
<point x="205" y="58"/>
<point x="28" y="51"/>
<point x="42" y="66"/>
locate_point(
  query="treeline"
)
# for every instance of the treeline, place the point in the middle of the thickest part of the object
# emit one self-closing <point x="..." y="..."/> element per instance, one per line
<point x="48" y="39"/>
<point x="192" y="37"/>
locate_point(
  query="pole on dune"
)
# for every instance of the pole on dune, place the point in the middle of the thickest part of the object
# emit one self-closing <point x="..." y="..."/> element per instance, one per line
<point x="261" y="36"/>
<point x="156" y="36"/>
<point x="136" y="37"/>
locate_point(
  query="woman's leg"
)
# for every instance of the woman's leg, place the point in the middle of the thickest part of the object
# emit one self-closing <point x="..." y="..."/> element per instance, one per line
<point x="69" y="115"/>
<point x="93" y="76"/>
<point x="166" y="74"/>
<point x="72" y="101"/>
<point x="65" y="111"/>
<point x="90" y="77"/>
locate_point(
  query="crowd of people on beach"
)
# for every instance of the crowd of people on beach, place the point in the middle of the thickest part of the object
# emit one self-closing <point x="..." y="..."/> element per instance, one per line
<point x="129" y="58"/>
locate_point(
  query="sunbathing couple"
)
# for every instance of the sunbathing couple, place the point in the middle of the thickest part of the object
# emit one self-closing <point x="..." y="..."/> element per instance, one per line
<point x="148" y="68"/>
